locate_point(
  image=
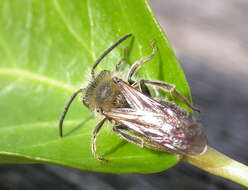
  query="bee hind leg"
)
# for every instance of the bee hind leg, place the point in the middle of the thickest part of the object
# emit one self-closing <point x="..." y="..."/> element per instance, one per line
<point x="138" y="140"/>
<point x="126" y="135"/>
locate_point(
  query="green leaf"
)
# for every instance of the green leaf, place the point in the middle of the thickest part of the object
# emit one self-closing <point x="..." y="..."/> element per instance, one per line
<point x="47" y="49"/>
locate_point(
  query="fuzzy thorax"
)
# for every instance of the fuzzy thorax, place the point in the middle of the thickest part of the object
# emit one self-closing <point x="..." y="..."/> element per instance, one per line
<point x="102" y="93"/>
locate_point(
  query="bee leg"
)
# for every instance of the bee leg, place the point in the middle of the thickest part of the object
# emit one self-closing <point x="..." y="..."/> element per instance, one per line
<point x="123" y="133"/>
<point x="135" y="139"/>
<point x="171" y="89"/>
<point x="144" y="89"/>
<point x="138" y="63"/>
<point x="123" y="60"/>
<point x="93" y="145"/>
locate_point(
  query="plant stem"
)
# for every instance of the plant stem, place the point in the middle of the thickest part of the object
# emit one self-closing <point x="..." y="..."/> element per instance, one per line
<point x="218" y="164"/>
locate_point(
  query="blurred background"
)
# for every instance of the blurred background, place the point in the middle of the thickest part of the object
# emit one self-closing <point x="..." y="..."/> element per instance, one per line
<point x="210" y="39"/>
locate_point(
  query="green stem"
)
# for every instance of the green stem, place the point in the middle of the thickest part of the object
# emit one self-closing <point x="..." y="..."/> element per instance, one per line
<point x="218" y="164"/>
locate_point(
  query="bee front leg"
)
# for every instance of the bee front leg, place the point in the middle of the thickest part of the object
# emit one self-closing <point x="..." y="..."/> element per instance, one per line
<point x="168" y="88"/>
<point x="134" y="68"/>
<point x="93" y="145"/>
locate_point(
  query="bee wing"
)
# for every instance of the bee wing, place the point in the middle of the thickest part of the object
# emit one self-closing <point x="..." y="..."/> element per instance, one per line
<point x="143" y="118"/>
<point x="153" y="126"/>
<point x="142" y="122"/>
<point x="137" y="99"/>
<point x="163" y="125"/>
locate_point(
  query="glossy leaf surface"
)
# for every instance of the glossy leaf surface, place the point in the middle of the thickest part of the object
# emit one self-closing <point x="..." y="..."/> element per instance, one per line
<point x="47" y="49"/>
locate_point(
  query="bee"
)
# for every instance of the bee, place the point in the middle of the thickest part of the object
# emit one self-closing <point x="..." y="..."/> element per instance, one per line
<point x="156" y="124"/>
<point x="134" y="114"/>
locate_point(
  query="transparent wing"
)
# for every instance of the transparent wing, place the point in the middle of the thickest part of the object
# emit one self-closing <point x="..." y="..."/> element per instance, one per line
<point x="165" y="125"/>
<point x="189" y="140"/>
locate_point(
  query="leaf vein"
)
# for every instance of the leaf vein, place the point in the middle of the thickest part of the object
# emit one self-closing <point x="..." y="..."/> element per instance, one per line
<point x="41" y="124"/>
<point x="91" y="23"/>
<point x="128" y="23"/>
<point x="36" y="77"/>
<point x="54" y="141"/>
<point x="70" y="28"/>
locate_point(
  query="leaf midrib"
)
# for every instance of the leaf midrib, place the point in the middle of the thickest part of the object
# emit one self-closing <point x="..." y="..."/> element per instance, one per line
<point x="36" y="77"/>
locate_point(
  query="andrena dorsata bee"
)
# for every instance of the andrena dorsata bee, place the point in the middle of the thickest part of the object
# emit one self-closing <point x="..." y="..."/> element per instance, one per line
<point x="135" y="115"/>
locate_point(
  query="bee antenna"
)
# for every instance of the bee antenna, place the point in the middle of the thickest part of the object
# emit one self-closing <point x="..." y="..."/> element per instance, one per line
<point x="107" y="52"/>
<point x="67" y="106"/>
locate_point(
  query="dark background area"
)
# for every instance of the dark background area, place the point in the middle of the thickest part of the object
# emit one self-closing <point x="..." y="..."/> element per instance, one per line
<point x="210" y="39"/>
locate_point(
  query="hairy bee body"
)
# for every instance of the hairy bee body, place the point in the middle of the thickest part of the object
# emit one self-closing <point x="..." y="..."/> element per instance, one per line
<point x="163" y="124"/>
<point x="135" y="115"/>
